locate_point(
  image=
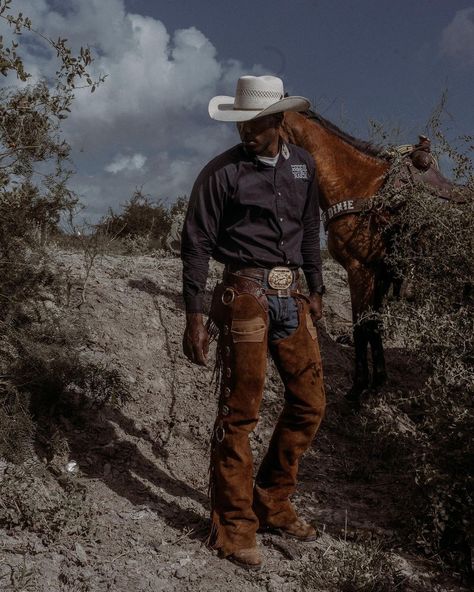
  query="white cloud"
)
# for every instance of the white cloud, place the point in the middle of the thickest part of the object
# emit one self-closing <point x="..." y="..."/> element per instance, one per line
<point x="126" y="163"/>
<point x="152" y="106"/>
<point x="457" y="40"/>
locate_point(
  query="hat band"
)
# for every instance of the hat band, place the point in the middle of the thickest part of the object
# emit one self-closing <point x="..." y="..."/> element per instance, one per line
<point x="253" y="99"/>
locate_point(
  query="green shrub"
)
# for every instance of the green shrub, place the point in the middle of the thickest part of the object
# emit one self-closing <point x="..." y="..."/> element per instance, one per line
<point x="144" y="225"/>
<point x="140" y="218"/>
<point x="432" y="251"/>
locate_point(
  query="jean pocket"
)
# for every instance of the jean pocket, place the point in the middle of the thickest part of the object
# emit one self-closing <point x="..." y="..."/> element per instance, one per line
<point x="248" y="330"/>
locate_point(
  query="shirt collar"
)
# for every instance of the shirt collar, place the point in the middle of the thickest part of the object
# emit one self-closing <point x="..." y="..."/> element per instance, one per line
<point x="284" y="152"/>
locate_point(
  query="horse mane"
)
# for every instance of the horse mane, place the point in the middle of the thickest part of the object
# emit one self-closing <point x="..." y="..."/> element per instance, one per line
<point x="363" y="146"/>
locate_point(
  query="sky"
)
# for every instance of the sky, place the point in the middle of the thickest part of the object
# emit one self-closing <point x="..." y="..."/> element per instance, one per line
<point x="148" y="127"/>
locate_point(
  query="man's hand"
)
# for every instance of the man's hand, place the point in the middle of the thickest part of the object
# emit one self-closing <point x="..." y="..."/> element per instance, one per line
<point x="196" y="339"/>
<point x="316" y="306"/>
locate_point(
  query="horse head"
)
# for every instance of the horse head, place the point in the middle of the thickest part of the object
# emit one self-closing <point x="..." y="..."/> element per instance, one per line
<point x="422" y="167"/>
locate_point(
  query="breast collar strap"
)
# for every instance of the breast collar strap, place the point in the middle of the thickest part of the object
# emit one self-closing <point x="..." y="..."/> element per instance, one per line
<point x="356" y="205"/>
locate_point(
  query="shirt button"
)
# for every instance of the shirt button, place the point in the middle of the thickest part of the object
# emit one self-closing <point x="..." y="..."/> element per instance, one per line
<point x="281" y="243"/>
<point x="287" y="261"/>
<point x="281" y="219"/>
<point x="279" y="193"/>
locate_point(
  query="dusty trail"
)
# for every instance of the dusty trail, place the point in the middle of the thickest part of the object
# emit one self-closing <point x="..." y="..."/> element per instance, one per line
<point x="144" y="467"/>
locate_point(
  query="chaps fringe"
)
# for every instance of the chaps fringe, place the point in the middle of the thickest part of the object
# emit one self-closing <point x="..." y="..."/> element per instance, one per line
<point x="213" y="540"/>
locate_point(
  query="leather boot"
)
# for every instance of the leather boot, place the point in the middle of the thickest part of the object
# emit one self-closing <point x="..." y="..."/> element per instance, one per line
<point x="247" y="558"/>
<point x="298" y="361"/>
<point x="242" y="349"/>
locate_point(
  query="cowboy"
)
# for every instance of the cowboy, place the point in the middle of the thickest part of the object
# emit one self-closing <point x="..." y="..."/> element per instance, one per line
<point x="255" y="209"/>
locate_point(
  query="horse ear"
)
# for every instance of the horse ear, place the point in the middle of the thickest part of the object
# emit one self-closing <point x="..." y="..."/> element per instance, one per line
<point x="279" y="117"/>
<point x="424" y="143"/>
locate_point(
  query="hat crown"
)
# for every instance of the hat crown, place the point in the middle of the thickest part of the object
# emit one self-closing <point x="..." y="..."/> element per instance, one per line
<point x="256" y="96"/>
<point x="258" y="92"/>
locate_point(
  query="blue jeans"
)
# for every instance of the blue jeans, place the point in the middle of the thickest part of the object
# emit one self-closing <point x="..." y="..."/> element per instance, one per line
<point x="282" y="317"/>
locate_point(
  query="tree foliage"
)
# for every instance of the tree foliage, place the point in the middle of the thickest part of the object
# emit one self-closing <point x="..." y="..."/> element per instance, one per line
<point x="38" y="351"/>
<point x="34" y="157"/>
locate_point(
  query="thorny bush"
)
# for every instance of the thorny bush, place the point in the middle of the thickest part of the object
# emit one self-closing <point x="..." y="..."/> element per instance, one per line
<point x="431" y="250"/>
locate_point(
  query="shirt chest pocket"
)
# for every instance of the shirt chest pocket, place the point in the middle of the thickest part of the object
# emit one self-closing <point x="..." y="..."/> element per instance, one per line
<point x="255" y="192"/>
<point x="294" y="194"/>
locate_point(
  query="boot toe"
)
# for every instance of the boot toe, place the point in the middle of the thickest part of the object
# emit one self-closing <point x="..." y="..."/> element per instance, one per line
<point x="299" y="530"/>
<point x="247" y="558"/>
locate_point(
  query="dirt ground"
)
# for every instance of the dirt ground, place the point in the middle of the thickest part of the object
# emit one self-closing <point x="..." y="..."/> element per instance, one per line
<point x="143" y="469"/>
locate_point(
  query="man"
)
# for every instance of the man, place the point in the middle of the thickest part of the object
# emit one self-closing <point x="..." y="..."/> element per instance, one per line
<point x="255" y="209"/>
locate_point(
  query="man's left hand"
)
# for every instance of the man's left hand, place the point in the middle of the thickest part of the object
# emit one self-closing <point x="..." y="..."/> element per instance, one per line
<point x="316" y="306"/>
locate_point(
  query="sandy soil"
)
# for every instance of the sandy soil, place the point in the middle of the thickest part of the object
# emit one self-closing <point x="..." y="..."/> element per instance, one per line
<point x="144" y="468"/>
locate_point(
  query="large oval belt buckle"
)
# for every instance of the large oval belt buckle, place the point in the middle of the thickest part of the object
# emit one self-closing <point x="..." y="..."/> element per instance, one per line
<point x="280" y="278"/>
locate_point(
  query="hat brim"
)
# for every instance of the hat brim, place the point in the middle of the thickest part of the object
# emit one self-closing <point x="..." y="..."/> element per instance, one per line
<point x="221" y="108"/>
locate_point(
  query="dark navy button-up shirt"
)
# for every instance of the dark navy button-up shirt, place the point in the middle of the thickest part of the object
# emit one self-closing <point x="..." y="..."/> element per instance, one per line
<point x="245" y="212"/>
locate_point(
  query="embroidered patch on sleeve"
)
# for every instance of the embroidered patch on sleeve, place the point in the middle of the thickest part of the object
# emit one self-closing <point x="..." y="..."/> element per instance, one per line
<point x="299" y="171"/>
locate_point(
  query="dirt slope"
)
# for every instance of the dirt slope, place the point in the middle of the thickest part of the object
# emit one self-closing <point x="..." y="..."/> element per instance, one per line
<point x="144" y="468"/>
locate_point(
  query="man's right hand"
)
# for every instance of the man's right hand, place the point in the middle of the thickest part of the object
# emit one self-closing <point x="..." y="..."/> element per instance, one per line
<point x="196" y="339"/>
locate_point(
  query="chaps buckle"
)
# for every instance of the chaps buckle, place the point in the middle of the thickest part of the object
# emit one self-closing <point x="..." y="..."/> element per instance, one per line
<point x="228" y="296"/>
<point x="280" y="278"/>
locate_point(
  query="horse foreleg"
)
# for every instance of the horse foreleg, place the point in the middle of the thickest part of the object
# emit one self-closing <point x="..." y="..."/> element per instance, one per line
<point x="362" y="286"/>
<point x="361" y="368"/>
<point x="379" y="373"/>
<point x="382" y="283"/>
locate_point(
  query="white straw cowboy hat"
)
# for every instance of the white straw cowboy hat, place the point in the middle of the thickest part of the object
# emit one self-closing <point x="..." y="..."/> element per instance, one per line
<point x="256" y="96"/>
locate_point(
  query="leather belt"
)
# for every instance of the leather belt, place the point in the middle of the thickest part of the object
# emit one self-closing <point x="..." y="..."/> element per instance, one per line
<point x="260" y="273"/>
<point x="269" y="279"/>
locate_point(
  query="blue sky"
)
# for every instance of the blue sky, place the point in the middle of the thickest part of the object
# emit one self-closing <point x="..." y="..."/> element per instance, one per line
<point x="355" y="59"/>
<point x="148" y="124"/>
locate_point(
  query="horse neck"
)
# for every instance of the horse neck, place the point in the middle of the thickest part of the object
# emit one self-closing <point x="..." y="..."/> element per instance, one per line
<point x="344" y="172"/>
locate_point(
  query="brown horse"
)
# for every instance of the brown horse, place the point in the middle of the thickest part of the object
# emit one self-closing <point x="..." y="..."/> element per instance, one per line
<point x="350" y="171"/>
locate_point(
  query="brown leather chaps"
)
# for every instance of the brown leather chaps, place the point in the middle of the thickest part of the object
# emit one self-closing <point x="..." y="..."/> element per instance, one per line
<point x="238" y="507"/>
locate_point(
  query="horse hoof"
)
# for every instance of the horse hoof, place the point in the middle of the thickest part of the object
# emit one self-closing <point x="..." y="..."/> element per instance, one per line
<point x="352" y="397"/>
<point x="353" y="394"/>
<point x="378" y="380"/>
<point x="351" y="406"/>
<point x="345" y="339"/>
